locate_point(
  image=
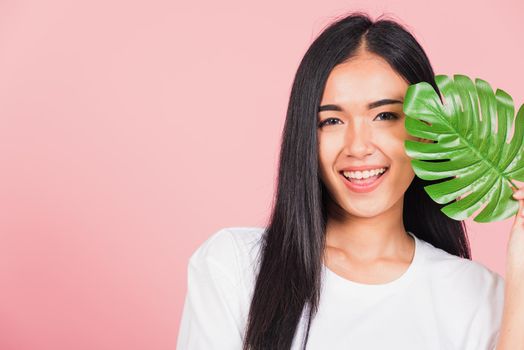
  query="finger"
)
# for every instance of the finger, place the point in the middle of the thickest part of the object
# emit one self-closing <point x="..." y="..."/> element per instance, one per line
<point x="518" y="194"/>
<point x="521" y="208"/>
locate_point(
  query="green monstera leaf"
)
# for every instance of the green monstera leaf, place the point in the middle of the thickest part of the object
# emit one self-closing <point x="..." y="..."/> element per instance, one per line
<point x="473" y="145"/>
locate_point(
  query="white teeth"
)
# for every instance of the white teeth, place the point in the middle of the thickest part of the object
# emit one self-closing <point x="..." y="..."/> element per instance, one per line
<point x="363" y="174"/>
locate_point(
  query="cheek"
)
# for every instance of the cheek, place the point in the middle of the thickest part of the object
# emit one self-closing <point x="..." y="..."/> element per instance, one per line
<point x="392" y="142"/>
<point x="400" y="157"/>
<point x="328" y="147"/>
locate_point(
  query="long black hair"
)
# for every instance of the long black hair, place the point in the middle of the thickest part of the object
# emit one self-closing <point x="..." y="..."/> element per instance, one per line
<point x="288" y="283"/>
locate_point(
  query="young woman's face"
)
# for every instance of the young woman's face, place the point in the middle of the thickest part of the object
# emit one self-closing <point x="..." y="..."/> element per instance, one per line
<point x="361" y="124"/>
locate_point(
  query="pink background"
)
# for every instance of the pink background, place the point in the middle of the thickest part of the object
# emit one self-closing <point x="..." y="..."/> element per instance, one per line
<point x="130" y="131"/>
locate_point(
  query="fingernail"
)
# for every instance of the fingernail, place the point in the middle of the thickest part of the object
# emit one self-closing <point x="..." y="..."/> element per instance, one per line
<point x="518" y="193"/>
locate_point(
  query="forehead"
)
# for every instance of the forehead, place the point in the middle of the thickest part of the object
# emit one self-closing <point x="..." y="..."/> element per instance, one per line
<point x="362" y="79"/>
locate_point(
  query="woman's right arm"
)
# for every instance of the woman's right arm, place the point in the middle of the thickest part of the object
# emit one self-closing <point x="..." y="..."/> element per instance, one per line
<point x="211" y="318"/>
<point x="511" y="335"/>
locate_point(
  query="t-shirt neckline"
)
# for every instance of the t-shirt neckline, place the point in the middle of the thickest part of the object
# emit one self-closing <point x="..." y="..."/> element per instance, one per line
<point x="371" y="288"/>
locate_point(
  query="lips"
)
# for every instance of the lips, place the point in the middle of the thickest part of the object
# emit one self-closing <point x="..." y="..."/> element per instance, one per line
<point x="365" y="187"/>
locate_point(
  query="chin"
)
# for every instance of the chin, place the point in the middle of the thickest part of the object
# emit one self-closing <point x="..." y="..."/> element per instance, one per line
<point x="365" y="213"/>
<point x="345" y="210"/>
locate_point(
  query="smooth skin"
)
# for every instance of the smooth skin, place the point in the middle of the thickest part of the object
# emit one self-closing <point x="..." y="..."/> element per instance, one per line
<point x="512" y="328"/>
<point x="366" y="241"/>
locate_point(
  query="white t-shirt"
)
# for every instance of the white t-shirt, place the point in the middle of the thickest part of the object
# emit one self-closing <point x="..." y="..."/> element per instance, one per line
<point x="440" y="302"/>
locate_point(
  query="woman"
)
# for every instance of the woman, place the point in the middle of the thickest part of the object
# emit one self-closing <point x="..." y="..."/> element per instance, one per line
<point x="355" y="255"/>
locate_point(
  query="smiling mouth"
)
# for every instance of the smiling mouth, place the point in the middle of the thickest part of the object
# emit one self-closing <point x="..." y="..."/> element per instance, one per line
<point x="364" y="182"/>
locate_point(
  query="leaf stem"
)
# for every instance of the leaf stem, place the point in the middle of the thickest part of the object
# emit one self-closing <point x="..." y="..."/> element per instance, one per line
<point x="512" y="184"/>
<point x="474" y="150"/>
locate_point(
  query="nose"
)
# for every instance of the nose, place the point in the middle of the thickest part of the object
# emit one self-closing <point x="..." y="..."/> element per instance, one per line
<point x="358" y="139"/>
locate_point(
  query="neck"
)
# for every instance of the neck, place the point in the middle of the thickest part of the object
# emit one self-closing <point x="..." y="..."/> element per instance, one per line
<point x="369" y="239"/>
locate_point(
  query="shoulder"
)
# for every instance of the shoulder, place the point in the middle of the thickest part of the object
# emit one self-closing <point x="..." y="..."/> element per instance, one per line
<point x="468" y="282"/>
<point x="229" y="251"/>
<point x="218" y="290"/>
<point x="468" y="296"/>
<point x="449" y="265"/>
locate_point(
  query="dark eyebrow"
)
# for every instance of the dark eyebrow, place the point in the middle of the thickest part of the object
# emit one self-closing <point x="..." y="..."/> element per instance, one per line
<point x="386" y="101"/>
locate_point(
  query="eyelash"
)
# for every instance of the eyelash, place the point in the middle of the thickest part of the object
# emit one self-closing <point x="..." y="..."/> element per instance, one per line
<point x="392" y="115"/>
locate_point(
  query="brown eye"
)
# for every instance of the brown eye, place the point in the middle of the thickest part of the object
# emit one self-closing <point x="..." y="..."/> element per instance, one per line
<point x="387" y="116"/>
<point x="328" y="121"/>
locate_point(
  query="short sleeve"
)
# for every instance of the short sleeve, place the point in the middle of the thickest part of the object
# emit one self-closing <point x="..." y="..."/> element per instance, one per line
<point x="485" y="326"/>
<point x="211" y="314"/>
